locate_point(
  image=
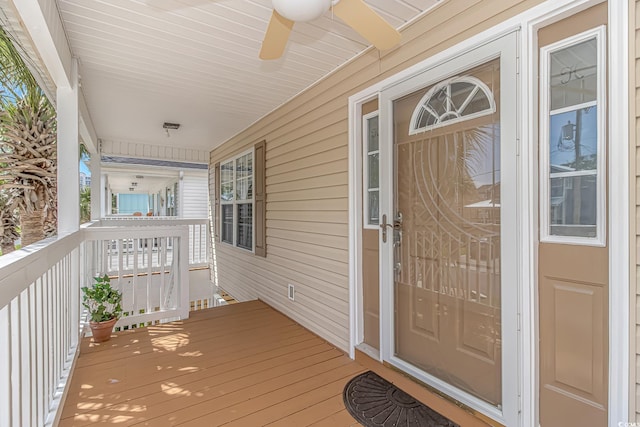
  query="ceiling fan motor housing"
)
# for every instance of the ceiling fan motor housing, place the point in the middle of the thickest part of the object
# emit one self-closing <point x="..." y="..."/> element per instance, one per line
<point x="300" y="11"/>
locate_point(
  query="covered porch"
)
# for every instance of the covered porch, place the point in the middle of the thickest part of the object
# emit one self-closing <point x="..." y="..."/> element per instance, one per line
<point x="298" y="157"/>
<point x="238" y="365"/>
<point x="180" y="355"/>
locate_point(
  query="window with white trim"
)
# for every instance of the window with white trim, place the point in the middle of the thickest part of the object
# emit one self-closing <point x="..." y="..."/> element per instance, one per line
<point x="572" y="140"/>
<point x="371" y="172"/>
<point x="236" y="201"/>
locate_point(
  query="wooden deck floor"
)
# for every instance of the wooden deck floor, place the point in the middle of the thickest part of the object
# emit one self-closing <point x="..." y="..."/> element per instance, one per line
<point x="238" y="365"/>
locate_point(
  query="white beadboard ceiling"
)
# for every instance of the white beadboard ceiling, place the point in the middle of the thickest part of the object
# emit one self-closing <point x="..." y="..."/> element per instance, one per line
<point x="195" y="62"/>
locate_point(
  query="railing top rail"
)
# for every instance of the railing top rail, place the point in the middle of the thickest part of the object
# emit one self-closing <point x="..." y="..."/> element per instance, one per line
<point x="151" y="220"/>
<point x="135" y="232"/>
<point x="21" y="268"/>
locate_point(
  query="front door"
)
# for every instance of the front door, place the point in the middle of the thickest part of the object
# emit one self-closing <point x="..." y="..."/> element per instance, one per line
<point x="451" y="231"/>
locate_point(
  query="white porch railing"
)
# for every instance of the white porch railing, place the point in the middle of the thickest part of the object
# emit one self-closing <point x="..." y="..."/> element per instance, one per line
<point x="40" y="310"/>
<point x="146" y="263"/>
<point x="39" y="328"/>
<point x="199" y="244"/>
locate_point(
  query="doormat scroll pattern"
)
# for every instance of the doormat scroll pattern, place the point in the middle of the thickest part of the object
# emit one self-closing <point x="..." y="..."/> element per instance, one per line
<point x="375" y="402"/>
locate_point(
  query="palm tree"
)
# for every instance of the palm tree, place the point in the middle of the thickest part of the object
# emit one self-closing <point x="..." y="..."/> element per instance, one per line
<point x="27" y="145"/>
<point x="85" y="205"/>
<point x="8" y="225"/>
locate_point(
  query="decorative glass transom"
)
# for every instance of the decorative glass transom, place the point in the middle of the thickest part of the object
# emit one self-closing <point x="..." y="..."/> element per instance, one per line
<point x="451" y="101"/>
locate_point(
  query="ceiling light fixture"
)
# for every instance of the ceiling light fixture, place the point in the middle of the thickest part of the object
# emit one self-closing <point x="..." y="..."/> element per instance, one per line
<point x="300" y="11"/>
<point x="166" y="126"/>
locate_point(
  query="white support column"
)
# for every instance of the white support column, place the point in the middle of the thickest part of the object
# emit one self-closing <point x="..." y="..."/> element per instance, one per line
<point x="68" y="156"/>
<point x="97" y="185"/>
<point x="180" y="198"/>
<point x="105" y="196"/>
<point x="620" y="216"/>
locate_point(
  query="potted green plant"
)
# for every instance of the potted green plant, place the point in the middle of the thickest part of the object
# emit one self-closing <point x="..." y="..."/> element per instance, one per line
<point x="104" y="305"/>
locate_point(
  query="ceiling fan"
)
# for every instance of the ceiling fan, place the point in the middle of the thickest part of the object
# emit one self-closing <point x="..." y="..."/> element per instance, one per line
<point x="355" y="13"/>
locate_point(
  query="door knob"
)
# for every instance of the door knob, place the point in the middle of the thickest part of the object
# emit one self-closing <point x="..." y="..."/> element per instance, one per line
<point x="397" y="225"/>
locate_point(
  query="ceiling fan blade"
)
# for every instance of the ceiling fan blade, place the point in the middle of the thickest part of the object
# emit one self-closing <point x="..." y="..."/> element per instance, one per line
<point x="367" y="23"/>
<point x="275" y="39"/>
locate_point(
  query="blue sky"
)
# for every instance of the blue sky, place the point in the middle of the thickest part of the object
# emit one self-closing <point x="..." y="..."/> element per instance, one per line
<point x="83" y="168"/>
<point x="566" y="155"/>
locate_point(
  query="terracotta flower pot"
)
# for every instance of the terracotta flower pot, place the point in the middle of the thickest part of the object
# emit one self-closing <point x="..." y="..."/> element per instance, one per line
<point x="102" y="330"/>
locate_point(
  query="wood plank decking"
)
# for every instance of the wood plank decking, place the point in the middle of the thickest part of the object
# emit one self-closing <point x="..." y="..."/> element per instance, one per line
<point x="238" y="365"/>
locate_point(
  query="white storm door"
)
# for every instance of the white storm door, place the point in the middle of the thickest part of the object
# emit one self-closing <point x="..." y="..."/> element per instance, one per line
<point x="449" y="254"/>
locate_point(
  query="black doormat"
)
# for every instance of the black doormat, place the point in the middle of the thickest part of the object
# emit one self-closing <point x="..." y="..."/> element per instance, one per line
<point x="375" y="402"/>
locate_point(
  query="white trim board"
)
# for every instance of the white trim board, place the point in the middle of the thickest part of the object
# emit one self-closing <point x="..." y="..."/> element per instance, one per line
<point x="619" y="239"/>
<point x="599" y="34"/>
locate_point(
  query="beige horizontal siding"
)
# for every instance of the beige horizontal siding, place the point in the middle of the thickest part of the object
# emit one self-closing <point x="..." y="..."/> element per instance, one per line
<point x="341" y="191"/>
<point x="307" y="175"/>
<point x="310" y="227"/>
<point x="326" y="140"/>
<point x="314" y="239"/>
<point x="339" y="178"/>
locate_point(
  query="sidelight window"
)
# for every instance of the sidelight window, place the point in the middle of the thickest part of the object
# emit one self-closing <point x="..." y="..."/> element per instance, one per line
<point x="371" y="171"/>
<point x="572" y="140"/>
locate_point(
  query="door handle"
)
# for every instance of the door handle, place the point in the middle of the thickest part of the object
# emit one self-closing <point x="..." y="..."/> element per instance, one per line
<point x="397" y="225"/>
<point x="384" y="226"/>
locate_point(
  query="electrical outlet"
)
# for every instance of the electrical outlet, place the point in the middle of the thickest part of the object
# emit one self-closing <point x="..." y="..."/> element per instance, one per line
<point x="291" y="292"/>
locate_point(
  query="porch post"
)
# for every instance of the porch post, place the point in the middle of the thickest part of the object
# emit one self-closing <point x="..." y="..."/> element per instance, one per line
<point x="97" y="185"/>
<point x="180" y="198"/>
<point x="106" y="201"/>
<point x="69" y="182"/>
<point x="68" y="155"/>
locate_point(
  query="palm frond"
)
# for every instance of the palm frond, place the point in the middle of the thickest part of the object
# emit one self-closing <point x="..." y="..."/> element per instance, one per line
<point x="15" y="77"/>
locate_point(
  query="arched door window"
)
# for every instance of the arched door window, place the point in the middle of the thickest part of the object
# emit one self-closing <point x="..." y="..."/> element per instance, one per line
<point x="451" y="101"/>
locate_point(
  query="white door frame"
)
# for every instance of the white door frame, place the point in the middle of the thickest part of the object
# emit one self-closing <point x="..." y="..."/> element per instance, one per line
<point x="504" y="48"/>
<point x="619" y="188"/>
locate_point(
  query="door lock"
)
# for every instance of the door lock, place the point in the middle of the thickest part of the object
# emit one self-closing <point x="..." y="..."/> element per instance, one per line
<point x="397" y="225"/>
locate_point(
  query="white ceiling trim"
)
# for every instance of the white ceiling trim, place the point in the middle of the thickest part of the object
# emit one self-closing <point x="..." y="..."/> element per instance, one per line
<point x="151" y="151"/>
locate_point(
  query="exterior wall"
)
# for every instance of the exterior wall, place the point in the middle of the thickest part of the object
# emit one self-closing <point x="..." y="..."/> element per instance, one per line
<point x="194" y="203"/>
<point x="307" y="175"/>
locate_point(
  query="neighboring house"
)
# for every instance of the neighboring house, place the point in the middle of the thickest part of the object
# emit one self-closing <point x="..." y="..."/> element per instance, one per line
<point x="480" y="295"/>
<point x="85" y="181"/>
